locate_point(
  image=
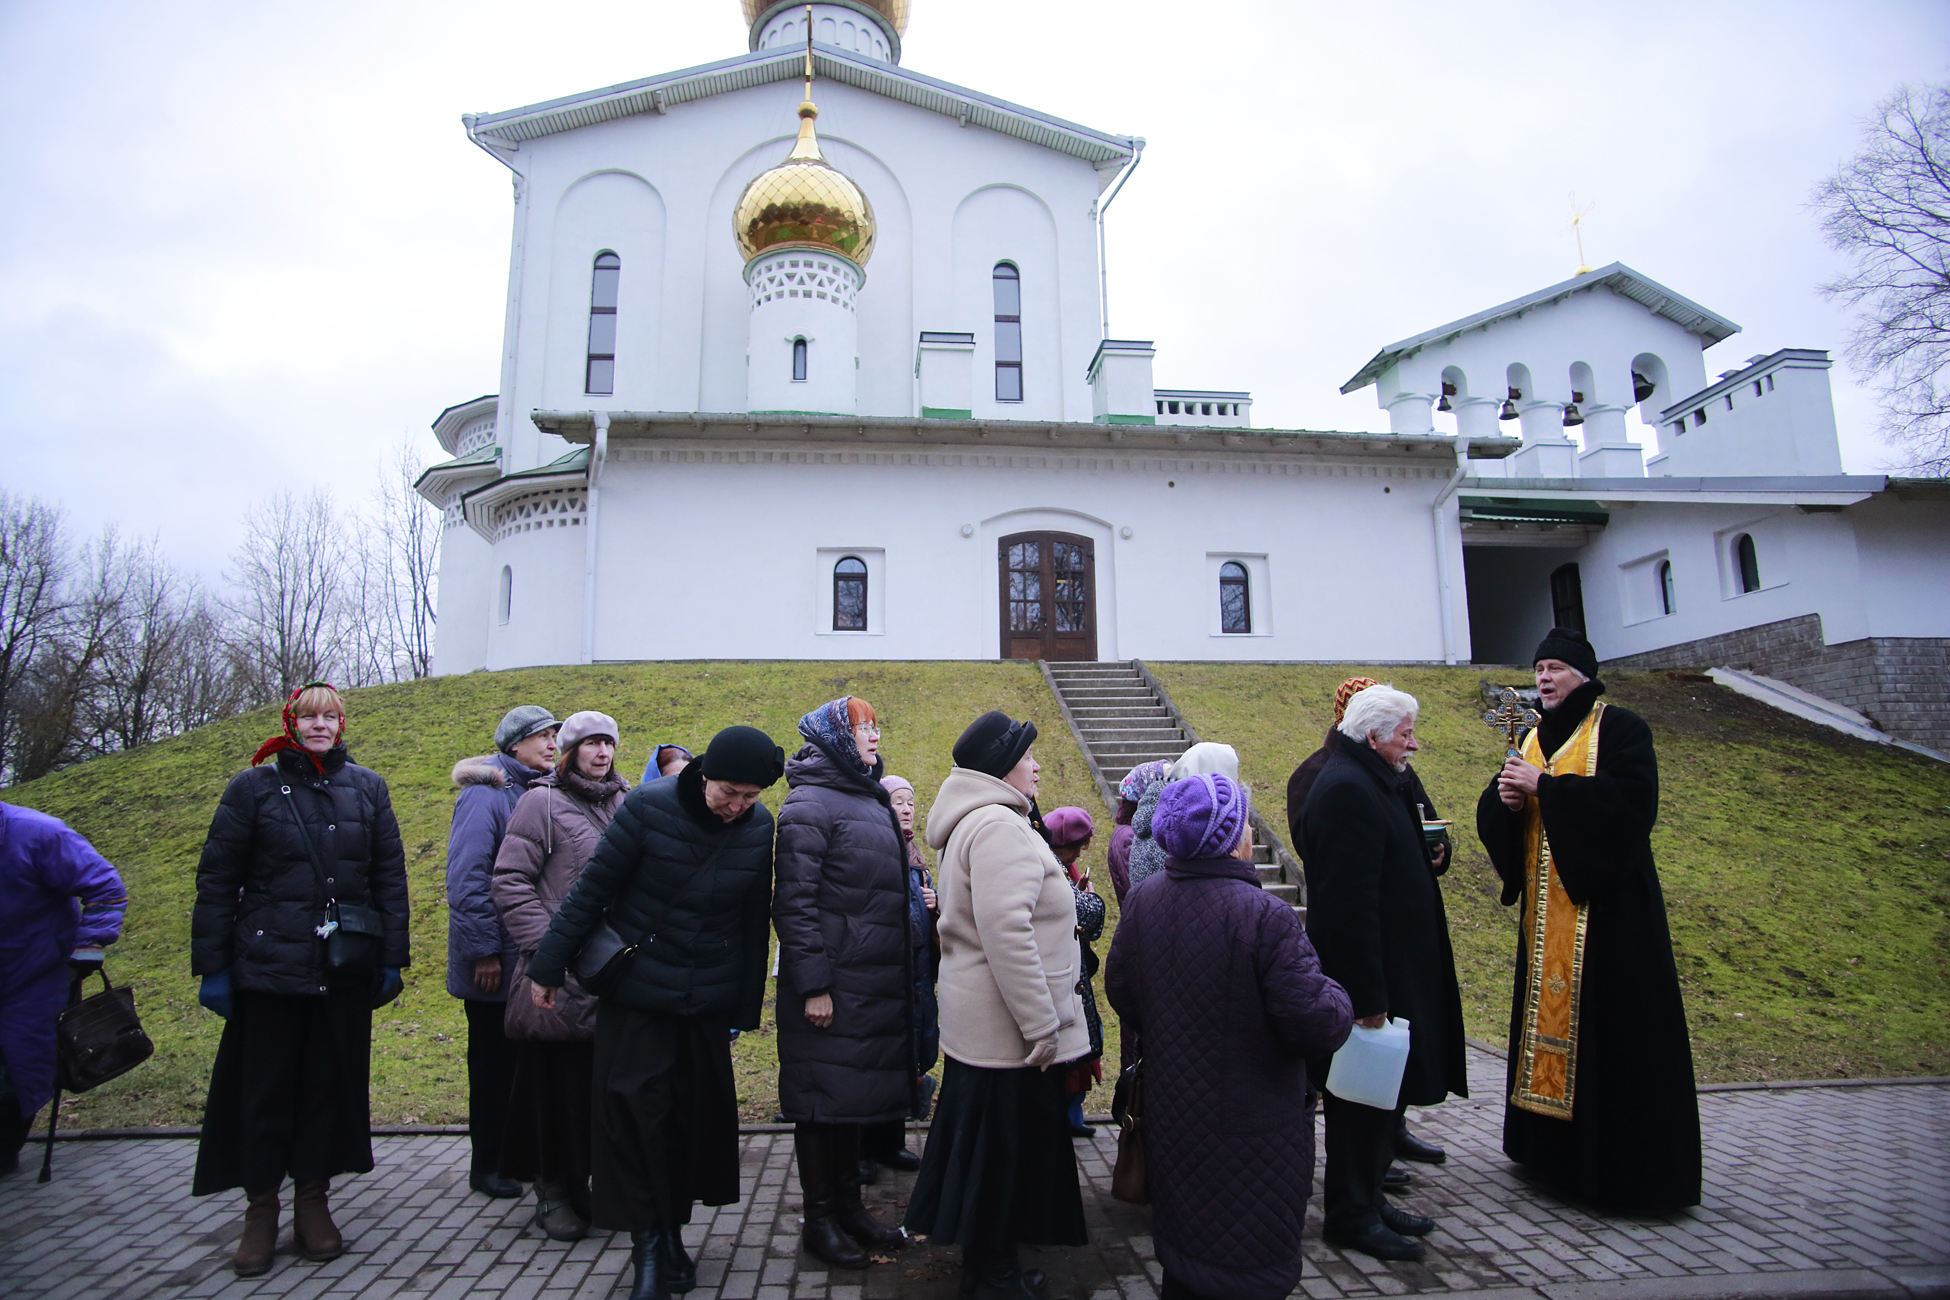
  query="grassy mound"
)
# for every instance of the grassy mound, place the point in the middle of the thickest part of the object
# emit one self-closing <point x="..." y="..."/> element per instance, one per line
<point x="1807" y="874"/>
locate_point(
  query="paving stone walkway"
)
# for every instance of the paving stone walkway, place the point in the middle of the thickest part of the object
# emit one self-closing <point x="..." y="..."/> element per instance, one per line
<point x="1810" y="1192"/>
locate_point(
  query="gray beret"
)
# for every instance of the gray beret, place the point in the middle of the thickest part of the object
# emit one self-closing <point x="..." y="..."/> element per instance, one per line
<point x="521" y="723"/>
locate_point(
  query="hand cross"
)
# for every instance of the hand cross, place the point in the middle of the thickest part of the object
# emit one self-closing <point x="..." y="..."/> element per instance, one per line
<point x="1511" y="716"/>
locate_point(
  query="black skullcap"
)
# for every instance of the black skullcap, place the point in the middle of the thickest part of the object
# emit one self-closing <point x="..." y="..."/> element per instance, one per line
<point x="743" y="756"/>
<point x="994" y="743"/>
<point x="1569" y="645"/>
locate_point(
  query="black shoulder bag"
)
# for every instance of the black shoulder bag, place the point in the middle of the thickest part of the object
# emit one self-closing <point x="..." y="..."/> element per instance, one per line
<point x="605" y="959"/>
<point x="95" y="1039"/>
<point x="354" y="935"/>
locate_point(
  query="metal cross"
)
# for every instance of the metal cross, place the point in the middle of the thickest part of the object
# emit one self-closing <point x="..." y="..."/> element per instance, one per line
<point x="1511" y="716"/>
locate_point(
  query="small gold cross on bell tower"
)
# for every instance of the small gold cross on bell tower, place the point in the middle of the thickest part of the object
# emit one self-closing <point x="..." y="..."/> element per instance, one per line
<point x="1511" y="717"/>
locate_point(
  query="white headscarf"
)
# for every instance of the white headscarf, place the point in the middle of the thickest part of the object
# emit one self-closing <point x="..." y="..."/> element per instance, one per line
<point x="1205" y="758"/>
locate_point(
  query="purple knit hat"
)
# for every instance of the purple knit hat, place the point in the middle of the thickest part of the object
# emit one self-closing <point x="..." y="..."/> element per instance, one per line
<point x="1200" y="816"/>
<point x="1067" y="826"/>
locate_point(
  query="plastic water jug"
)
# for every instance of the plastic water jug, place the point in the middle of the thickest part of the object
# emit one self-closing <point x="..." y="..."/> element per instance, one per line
<point x="1368" y="1068"/>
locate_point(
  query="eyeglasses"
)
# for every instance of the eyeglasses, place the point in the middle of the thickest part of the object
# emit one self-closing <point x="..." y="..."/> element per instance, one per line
<point x="867" y="729"/>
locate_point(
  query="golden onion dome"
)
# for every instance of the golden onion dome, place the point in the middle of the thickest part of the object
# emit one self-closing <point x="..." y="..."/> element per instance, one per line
<point x="804" y="202"/>
<point x="894" y="11"/>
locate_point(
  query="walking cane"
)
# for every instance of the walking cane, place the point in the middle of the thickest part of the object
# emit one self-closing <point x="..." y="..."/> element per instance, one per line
<point x="54" y="1115"/>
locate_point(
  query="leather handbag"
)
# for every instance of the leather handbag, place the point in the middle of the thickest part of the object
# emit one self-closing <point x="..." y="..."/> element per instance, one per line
<point x="354" y="934"/>
<point x="98" y="1038"/>
<point x="1127" y="1180"/>
<point x="605" y="958"/>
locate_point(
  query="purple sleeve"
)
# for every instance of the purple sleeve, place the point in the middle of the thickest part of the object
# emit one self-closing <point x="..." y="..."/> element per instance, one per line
<point x="1120" y="862"/>
<point x="71" y="866"/>
<point x="1310" y="1013"/>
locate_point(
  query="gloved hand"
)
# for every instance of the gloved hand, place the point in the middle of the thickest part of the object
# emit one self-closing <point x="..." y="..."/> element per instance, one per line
<point x="1042" y="1053"/>
<point x="85" y="961"/>
<point x="215" y="993"/>
<point x="386" y="985"/>
<point x="734" y="1035"/>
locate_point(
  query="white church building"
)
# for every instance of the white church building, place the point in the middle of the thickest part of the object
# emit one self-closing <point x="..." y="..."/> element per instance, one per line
<point x="786" y="382"/>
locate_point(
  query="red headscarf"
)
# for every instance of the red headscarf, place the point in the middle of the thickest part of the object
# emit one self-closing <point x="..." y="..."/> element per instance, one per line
<point x="289" y="738"/>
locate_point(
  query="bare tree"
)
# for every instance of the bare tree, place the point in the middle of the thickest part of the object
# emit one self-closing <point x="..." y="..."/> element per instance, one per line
<point x="287" y="604"/>
<point x="34" y="565"/>
<point x="1888" y="211"/>
<point x="163" y="670"/>
<point x="54" y="711"/>
<point x="389" y="583"/>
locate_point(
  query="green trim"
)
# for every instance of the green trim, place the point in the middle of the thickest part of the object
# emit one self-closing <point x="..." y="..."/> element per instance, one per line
<point x="947" y="413"/>
<point x="1126" y="419"/>
<point x="835" y="414"/>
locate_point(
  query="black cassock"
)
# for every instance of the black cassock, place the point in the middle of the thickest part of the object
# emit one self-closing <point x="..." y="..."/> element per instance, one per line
<point x="1632" y="1142"/>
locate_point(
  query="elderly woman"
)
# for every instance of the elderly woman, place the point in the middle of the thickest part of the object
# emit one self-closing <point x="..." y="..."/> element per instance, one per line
<point x="999" y="1169"/>
<point x="886" y="1144"/>
<point x="553" y="831"/>
<point x="295" y="847"/>
<point x="1129" y="791"/>
<point x="1206" y="756"/>
<point x="683" y="876"/>
<point x="1231" y="1001"/>
<point x="1071" y="831"/>
<point x="846" y="980"/>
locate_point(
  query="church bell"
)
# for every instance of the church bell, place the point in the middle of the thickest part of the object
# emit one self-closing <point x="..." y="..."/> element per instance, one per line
<point x="1448" y="391"/>
<point x="1572" y="416"/>
<point x="1641" y="387"/>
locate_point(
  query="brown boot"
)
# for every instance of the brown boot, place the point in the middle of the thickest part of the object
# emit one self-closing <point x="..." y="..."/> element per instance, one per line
<point x="311" y="1221"/>
<point x="253" y="1258"/>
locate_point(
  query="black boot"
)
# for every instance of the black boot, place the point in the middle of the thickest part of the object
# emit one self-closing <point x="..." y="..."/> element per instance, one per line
<point x="1000" y="1276"/>
<point x="822" y="1235"/>
<point x="646" y="1248"/>
<point x="855" y="1219"/>
<point x="675" y="1268"/>
<point x="1410" y="1147"/>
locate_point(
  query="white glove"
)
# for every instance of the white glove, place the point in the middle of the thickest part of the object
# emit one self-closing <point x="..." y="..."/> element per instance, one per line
<point x="1042" y="1053"/>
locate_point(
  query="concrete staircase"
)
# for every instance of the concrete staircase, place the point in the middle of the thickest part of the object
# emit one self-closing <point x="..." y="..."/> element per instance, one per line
<point x="1121" y="717"/>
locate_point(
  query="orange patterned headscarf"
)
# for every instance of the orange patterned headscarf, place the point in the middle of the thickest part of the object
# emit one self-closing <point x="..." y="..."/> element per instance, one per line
<point x="289" y="739"/>
<point x="1350" y="688"/>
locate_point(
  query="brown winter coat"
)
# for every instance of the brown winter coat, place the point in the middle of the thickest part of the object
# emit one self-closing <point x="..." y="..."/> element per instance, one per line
<point x="551" y="834"/>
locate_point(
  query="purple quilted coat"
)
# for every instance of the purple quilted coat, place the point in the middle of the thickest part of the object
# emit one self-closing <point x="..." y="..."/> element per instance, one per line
<point x="1221" y="982"/>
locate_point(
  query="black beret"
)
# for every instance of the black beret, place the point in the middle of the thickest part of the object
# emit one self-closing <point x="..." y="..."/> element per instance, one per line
<point x="994" y="743"/>
<point x="744" y="756"/>
<point x="1570" y="646"/>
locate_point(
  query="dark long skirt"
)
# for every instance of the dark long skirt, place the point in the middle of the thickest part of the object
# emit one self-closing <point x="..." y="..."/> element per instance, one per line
<point x="290" y="1094"/>
<point x="666" y="1111"/>
<point x="546" y="1139"/>
<point x="999" y="1168"/>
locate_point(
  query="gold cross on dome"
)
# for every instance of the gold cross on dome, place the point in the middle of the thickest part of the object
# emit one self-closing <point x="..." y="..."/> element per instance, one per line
<point x="1511" y="717"/>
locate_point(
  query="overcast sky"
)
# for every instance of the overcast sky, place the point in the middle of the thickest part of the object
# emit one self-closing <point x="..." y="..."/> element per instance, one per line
<point x="247" y="244"/>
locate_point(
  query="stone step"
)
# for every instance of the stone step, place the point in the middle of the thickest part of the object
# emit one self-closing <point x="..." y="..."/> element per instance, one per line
<point x="1160" y="736"/>
<point x="1268" y="874"/>
<point x="1289" y="894"/>
<point x="1262" y="853"/>
<point x="1133" y="752"/>
<point x="1112" y="712"/>
<point x="1094" y="674"/>
<point x="1103" y="695"/>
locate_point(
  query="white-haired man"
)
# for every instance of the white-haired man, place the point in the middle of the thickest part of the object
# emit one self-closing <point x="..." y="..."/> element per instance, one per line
<point x="1375" y="915"/>
<point x="1600" y="1097"/>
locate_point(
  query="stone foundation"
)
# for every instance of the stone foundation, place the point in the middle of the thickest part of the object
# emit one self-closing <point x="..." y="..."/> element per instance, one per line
<point x="1902" y="684"/>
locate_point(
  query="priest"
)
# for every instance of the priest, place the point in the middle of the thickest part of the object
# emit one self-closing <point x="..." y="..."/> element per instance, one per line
<point x="1600" y="1097"/>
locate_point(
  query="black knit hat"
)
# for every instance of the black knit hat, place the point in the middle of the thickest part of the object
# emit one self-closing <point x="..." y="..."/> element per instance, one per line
<point x="744" y="756"/>
<point x="1569" y="645"/>
<point x="994" y="743"/>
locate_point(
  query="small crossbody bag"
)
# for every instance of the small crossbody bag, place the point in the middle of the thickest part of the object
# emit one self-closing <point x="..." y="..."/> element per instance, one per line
<point x="605" y="959"/>
<point x="354" y="934"/>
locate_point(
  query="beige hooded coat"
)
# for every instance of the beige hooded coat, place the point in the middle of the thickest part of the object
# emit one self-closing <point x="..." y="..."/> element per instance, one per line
<point x="1008" y="928"/>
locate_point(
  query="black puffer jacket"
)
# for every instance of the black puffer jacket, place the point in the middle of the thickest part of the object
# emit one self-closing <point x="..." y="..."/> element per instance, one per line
<point x="709" y="950"/>
<point x="257" y="895"/>
<point x="841" y="913"/>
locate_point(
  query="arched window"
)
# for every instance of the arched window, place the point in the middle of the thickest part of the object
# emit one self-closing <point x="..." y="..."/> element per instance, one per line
<point x="1567" y="597"/>
<point x="601" y="374"/>
<point x="1235" y="598"/>
<point x="798" y="361"/>
<point x="1008" y="333"/>
<point x="850" y="595"/>
<point x="1743" y="554"/>
<point x="506" y="602"/>
<point x="1668" y="602"/>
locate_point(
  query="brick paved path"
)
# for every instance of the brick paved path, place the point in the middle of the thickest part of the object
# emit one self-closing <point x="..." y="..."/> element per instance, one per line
<point x="1826" y="1191"/>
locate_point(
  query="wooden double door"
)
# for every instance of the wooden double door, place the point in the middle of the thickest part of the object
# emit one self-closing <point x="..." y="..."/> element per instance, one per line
<point x="1049" y="596"/>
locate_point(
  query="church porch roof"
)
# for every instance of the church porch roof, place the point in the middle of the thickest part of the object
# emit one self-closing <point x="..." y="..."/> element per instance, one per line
<point x="1710" y="327"/>
<point x="658" y="94"/>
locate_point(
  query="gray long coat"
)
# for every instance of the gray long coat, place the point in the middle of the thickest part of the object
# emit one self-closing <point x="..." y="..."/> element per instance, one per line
<point x="840" y="907"/>
<point x="1219" y="979"/>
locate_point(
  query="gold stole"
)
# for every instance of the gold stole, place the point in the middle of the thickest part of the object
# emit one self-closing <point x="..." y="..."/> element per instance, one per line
<point x="1553" y="936"/>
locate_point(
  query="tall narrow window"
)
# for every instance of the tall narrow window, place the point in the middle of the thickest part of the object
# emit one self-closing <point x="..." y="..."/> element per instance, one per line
<point x="601" y="374"/>
<point x="798" y="361"/>
<point x="1743" y="553"/>
<point x="850" y="595"/>
<point x="1668" y="602"/>
<point x="1567" y="597"/>
<point x="507" y="601"/>
<point x="1235" y="598"/>
<point x="1008" y="333"/>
